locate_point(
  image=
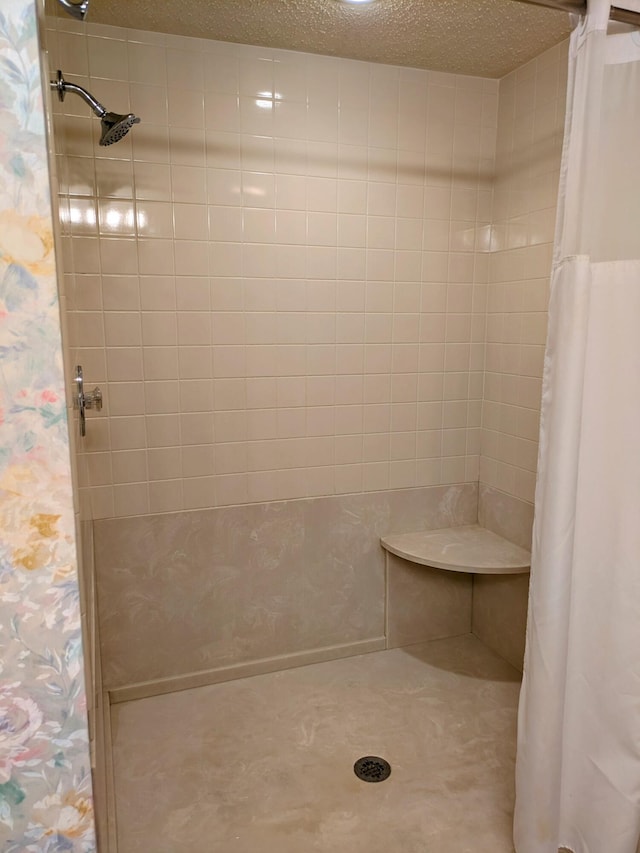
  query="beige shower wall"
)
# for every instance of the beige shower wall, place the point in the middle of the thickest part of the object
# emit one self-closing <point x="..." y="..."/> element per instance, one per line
<point x="278" y="278"/>
<point x="529" y="145"/>
<point x="191" y="598"/>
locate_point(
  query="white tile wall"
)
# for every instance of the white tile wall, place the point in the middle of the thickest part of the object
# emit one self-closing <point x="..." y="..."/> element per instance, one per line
<point x="281" y="276"/>
<point x="529" y="142"/>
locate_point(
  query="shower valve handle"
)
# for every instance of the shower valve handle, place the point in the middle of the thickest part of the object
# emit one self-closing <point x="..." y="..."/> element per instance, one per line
<point x="84" y="400"/>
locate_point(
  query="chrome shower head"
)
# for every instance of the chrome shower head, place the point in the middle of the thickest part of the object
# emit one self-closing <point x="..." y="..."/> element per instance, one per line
<point x="114" y="125"/>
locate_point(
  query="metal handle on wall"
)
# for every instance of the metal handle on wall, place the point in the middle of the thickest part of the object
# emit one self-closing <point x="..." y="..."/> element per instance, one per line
<point x="84" y="400"/>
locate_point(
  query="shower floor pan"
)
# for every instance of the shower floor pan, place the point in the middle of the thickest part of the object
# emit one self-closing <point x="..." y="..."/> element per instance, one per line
<point x="265" y="764"/>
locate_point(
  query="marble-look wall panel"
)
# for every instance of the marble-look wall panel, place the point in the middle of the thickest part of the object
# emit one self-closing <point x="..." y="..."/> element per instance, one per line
<point x="185" y="592"/>
<point x="505" y="515"/>
<point x="189" y="591"/>
<point x="500" y="602"/>
<point x="96" y="706"/>
<point x="45" y="776"/>
<point x="425" y="603"/>
<point x="500" y="614"/>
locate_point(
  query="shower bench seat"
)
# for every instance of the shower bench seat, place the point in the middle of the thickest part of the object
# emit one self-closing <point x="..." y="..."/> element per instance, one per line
<point x="468" y="548"/>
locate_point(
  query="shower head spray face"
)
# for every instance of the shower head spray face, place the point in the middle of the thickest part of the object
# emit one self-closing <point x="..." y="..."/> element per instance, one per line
<point x="115" y="126"/>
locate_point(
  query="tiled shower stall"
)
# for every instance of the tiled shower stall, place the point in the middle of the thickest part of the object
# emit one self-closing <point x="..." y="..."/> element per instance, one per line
<point x="313" y="292"/>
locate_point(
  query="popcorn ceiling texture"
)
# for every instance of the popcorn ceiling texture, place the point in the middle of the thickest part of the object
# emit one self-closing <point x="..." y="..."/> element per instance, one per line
<point x="486" y="38"/>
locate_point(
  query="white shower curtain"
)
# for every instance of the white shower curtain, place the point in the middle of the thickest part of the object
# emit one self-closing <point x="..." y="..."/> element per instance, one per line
<point x="578" y="764"/>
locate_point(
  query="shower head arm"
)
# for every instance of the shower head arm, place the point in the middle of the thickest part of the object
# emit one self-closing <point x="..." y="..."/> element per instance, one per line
<point x="62" y="87"/>
<point x="76" y="10"/>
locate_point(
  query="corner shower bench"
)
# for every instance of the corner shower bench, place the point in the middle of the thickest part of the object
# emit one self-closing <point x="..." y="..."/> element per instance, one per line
<point x="468" y="548"/>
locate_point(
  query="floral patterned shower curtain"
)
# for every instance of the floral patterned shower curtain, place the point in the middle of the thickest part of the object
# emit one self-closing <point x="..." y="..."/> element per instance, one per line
<point x="45" y="773"/>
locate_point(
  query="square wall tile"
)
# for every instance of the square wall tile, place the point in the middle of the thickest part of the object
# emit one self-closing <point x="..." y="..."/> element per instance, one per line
<point x="296" y="248"/>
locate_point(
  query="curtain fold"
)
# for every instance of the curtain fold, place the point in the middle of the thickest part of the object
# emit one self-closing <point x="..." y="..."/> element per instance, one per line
<point x="578" y="763"/>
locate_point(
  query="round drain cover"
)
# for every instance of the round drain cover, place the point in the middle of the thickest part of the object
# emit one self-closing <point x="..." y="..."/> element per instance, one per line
<point x="371" y="768"/>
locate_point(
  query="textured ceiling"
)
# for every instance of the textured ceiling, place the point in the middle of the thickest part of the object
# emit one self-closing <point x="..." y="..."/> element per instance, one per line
<point x="481" y="37"/>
